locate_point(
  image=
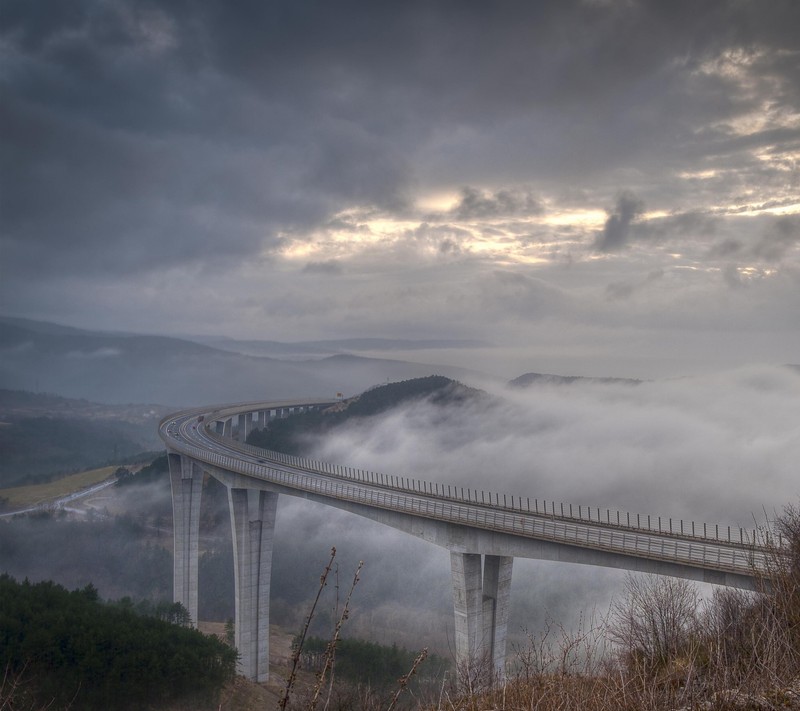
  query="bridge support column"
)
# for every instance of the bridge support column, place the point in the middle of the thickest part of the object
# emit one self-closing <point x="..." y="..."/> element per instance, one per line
<point x="481" y="604"/>
<point x="496" y="604"/>
<point x="262" y="419"/>
<point x="253" y="523"/>
<point x="227" y="429"/>
<point x="248" y="425"/>
<point x="219" y="427"/>
<point x="186" y="480"/>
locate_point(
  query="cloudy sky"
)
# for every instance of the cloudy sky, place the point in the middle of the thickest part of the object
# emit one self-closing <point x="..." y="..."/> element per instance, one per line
<point x="609" y="185"/>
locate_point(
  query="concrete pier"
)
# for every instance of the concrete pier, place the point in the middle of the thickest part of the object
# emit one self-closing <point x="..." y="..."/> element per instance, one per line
<point x="253" y="523"/>
<point x="186" y="480"/>
<point x="496" y="605"/>
<point x="481" y="595"/>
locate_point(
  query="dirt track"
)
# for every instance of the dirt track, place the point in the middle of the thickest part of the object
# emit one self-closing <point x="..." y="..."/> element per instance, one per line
<point x="244" y="695"/>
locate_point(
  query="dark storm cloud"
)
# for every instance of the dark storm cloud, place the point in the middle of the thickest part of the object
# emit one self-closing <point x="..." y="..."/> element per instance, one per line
<point x="726" y="248"/>
<point x="781" y="237"/>
<point x="732" y="278"/>
<point x="687" y="224"/>
<point x="125" y="147"/>
<point x="768" y="239"/>
<point x="438" y="240"/>
<point x="616" y="231"/>
<point x="163" y="133"/>
<point x="624" y="290"/>
<point x="330" y="266"/>
<point x="475" y="204"/>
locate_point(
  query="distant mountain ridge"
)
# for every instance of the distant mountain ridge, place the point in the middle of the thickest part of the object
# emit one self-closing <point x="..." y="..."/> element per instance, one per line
<point x="258" y="347"/>
<point x="45" y="327"/>
<point x="278" y="349"/>
<point x="125" y="368"/>
<point x="528" y="379"/>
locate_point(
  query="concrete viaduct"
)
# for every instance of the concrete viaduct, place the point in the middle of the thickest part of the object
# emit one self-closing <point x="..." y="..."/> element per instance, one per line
<point x="484" y="531"/>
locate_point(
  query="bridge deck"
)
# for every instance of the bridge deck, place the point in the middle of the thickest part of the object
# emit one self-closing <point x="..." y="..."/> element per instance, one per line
<point x="191" y="433"/>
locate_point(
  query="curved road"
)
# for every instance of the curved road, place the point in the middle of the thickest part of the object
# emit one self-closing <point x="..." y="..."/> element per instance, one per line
<point x="592" y="536"/>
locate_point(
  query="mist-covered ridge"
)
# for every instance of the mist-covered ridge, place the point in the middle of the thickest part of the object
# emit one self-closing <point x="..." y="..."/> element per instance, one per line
<point x="528" y="379"/>
<point x="294" y="434"/>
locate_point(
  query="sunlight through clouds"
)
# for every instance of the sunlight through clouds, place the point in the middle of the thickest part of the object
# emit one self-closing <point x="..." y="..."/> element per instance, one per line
<point x="359" y="153"/>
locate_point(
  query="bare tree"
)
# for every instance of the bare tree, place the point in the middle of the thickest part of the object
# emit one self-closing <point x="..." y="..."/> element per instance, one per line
<point x="656" y="622"/>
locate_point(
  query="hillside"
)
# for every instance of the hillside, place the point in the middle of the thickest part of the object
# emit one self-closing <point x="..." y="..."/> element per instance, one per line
<point x="44" y="436"/>
<point x="290" y="434"/>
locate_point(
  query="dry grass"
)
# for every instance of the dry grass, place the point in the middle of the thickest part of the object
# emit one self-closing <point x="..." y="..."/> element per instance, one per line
<point x="544" y="693"/>
<point x="22" y="496"/>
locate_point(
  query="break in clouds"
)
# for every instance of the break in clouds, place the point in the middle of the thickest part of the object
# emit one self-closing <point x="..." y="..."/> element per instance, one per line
<point x="314" y="170"/>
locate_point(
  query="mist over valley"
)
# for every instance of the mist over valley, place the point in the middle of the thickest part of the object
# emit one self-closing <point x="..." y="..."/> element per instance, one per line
<point x="717" y="448"/>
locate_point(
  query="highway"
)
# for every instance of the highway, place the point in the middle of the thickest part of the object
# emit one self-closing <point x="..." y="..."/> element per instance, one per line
<point x="700" y="546"/>
<point x="59" y="503"/>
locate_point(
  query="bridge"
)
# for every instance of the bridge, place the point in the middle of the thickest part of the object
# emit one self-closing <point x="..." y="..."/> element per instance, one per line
<point x="484" y="531"/>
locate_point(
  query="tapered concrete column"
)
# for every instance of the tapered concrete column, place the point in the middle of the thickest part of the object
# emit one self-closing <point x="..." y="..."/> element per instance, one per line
<point x="228" y="428"/>
<point x="219" y="427"/>
<point x="186" y="480"/>
<point x="481" y="604"/>
<point x="262" y="419"/>
<point x="496" y="603"/>
<point x="467" y="604"/>
<point x="253" y="523"/>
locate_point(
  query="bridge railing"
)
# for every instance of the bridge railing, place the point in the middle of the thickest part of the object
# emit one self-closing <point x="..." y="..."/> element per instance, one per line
<point x="705" y="554"/>
<point x="678" y="528"/>
<point x="613" y="533"/>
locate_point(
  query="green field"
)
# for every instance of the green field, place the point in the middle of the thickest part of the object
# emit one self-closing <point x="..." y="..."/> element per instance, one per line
<point x="23" y="496"/>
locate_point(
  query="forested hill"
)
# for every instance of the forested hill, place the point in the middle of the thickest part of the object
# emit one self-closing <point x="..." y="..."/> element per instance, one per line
<point x="68" y="650"/>
<point x="289" y="435"/>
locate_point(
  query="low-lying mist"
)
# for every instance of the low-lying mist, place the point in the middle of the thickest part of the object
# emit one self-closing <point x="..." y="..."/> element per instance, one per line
<point x="404" y="595"/>
<point x="720" y="449"/>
